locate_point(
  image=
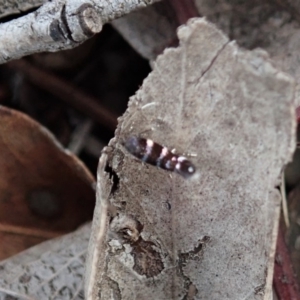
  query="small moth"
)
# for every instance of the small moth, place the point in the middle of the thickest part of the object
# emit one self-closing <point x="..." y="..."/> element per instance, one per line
<point x="154" y="154"/>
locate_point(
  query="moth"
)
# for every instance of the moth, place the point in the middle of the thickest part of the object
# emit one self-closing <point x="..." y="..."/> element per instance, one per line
<point x="155" y="154"/>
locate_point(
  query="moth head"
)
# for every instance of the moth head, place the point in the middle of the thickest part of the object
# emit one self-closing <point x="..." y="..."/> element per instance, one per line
<point x="186" y="168"/>
<point x="132" y="144"/>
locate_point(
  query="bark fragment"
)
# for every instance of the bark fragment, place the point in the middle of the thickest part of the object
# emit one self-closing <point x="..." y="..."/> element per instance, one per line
<point x="235" y="111"/>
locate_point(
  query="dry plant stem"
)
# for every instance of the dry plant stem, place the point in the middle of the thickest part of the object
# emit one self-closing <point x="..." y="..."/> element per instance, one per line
<point x="67" y="93"/>
<point x="284" y="201"/>
<point x="284" y="280"/>
<point x="13" y="229"/>
<point x="59" y="25"/>
<point x="184" y="10"/>
<point x="79" y="137"/>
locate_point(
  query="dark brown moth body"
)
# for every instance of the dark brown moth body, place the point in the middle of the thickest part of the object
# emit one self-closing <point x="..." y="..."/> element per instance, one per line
<point x="152" y="153"/>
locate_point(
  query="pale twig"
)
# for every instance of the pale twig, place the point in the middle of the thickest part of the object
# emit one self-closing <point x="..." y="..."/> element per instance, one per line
<point x="284" y="202"/>
<point x="59" y="25"/>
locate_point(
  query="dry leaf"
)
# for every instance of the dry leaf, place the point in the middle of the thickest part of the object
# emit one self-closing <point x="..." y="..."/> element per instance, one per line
<point x="149" y="30"/>
<point x="45" y="191"/>
<point x="157" y="235"/>
<point x="270" y="25"/>
<point x="51" y="270"/>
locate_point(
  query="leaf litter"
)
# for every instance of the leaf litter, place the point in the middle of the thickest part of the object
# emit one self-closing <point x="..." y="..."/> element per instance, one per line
<point x="51" y="270"/>
<point x="37" y="180"/>
<point x="157" y="235"/>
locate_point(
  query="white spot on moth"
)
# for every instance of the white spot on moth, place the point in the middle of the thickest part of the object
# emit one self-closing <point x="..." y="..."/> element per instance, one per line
<point x="149" y="147"/>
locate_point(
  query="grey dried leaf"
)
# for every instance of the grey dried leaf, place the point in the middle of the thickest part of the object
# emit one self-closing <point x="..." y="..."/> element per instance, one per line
<point x="51" y="270"/>
<point x="160" y="236"/>
<point x="149" y="30"/>
<point x="272" y="27"/>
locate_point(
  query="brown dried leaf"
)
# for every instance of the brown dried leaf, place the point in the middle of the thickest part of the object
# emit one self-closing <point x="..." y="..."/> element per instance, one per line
<point x="211" y="236"/>
<point x="44" y="190"/>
